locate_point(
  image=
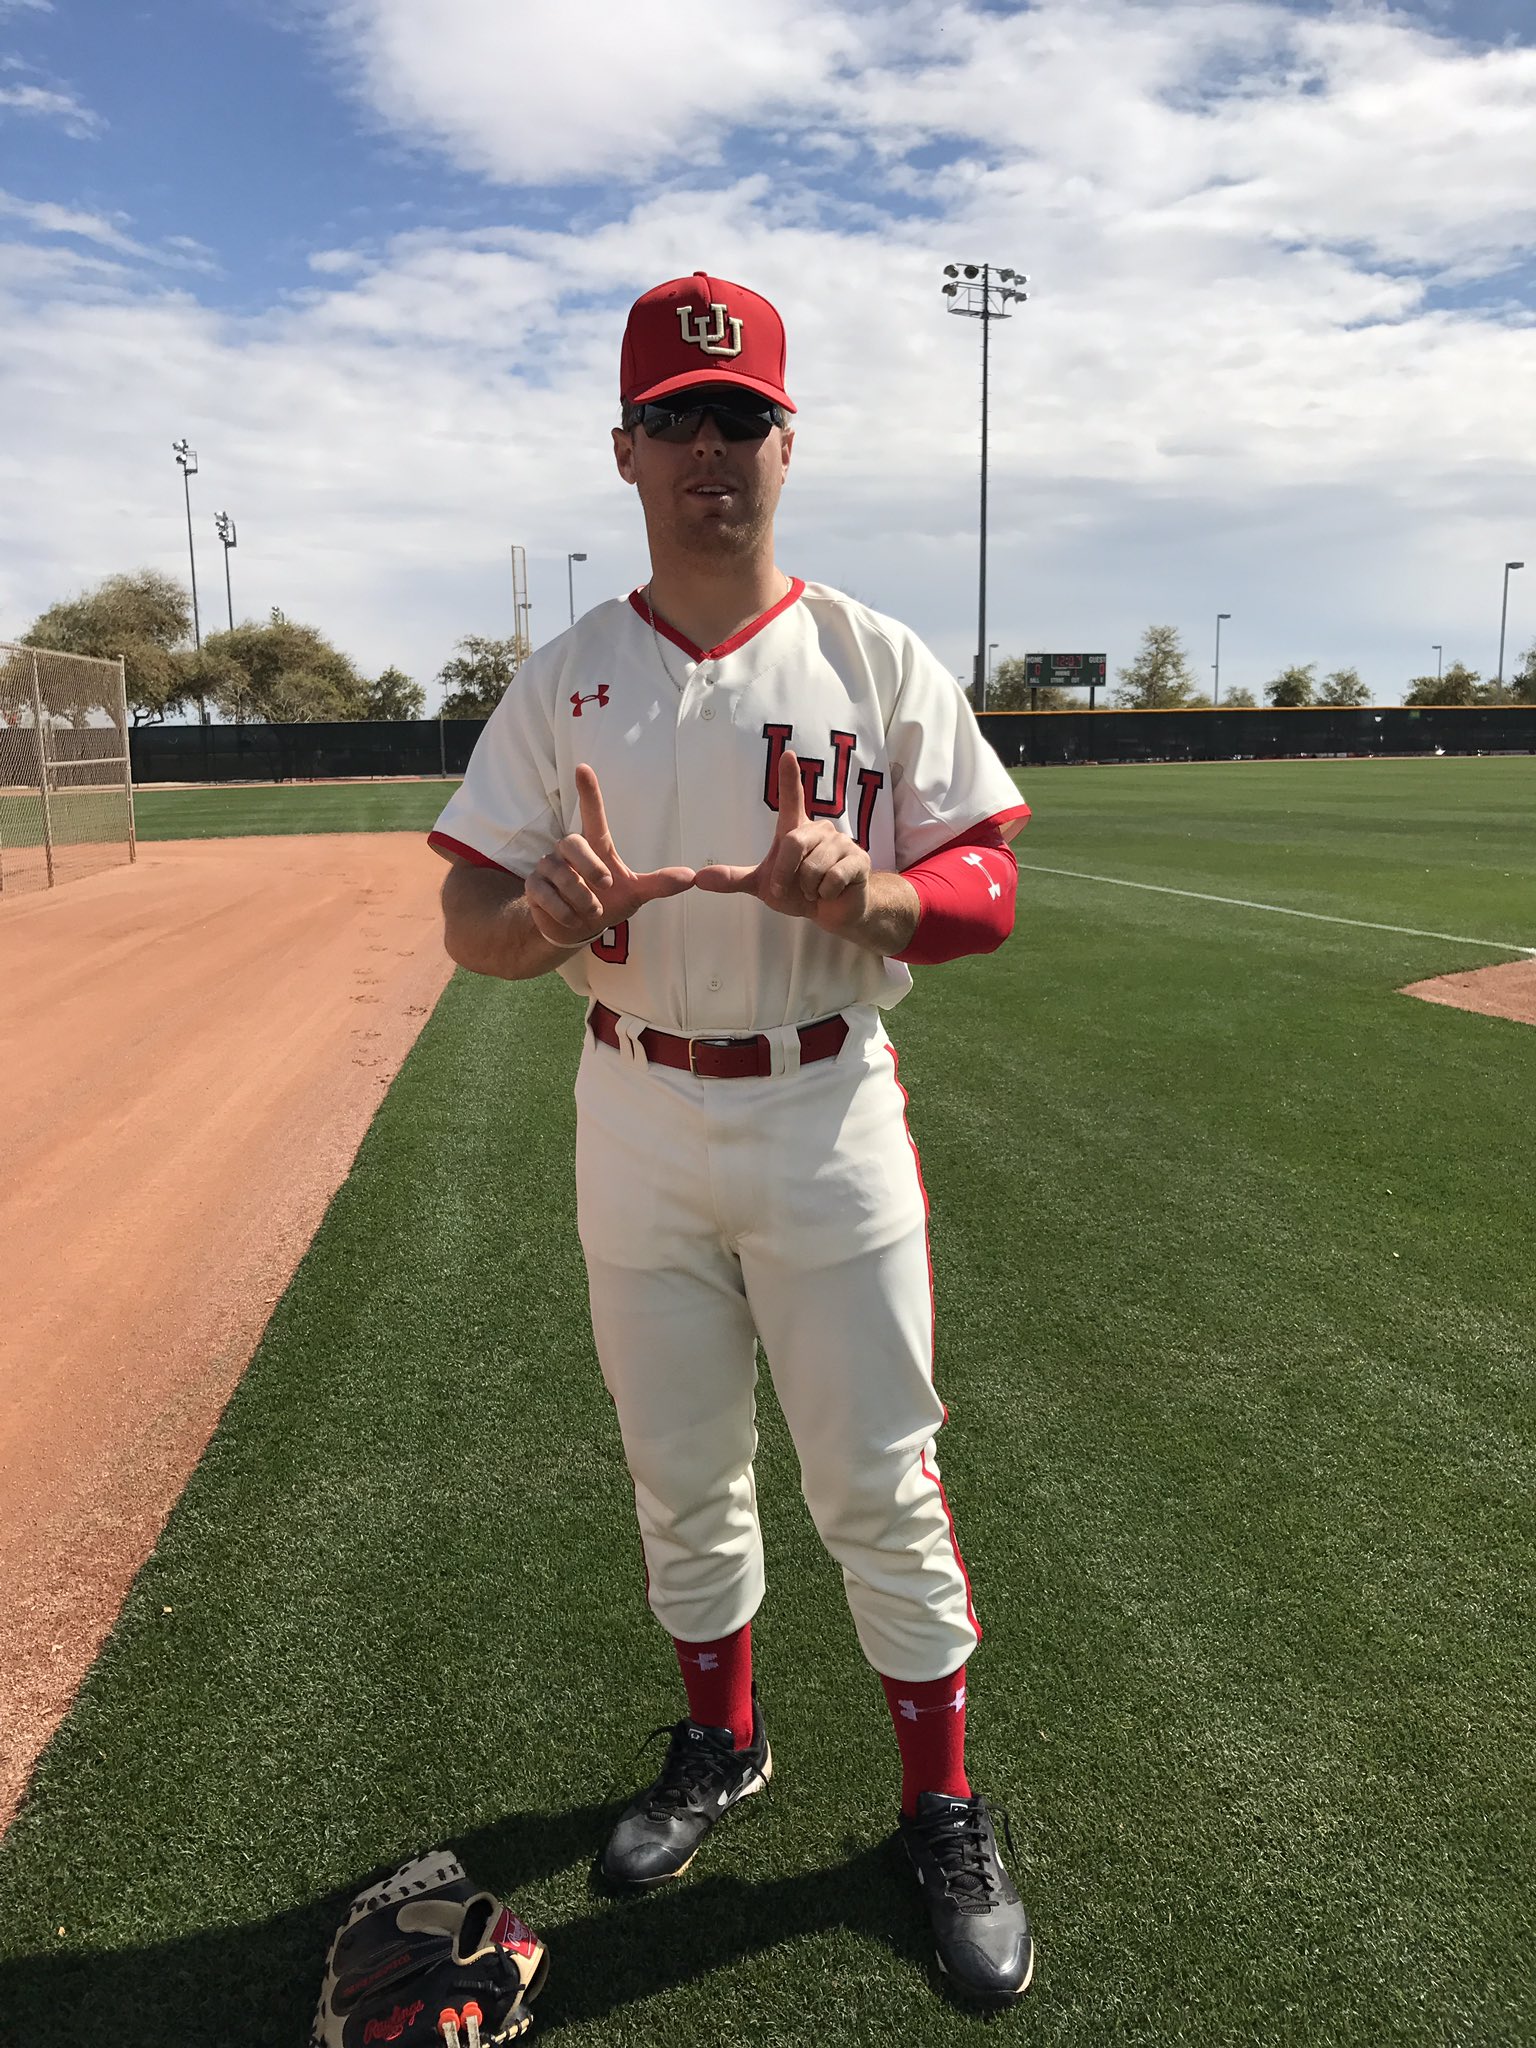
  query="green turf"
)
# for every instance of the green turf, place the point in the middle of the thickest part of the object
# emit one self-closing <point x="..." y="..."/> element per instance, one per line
<point x="1236" y="1299"/>
<point x="242" y="812"/>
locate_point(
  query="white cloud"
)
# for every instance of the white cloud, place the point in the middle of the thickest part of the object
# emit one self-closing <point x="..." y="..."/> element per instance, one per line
<point x="591" y="88"/>
<point x="73" y="116"/>
<point x="45" y="217"/>
<point x="1241" y="382"/>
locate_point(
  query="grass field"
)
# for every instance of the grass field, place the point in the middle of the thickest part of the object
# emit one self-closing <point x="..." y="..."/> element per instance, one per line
<point x="1236" y="1306"/>
<point x="261" y="809"/>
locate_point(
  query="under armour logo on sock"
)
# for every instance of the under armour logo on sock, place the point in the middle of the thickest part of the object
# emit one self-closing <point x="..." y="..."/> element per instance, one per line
<point x="707" y="1660"/>
<point x="909" y="1709"/>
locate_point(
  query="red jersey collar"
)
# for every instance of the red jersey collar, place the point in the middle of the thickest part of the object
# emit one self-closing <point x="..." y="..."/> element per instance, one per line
<point x="748" y="632"/>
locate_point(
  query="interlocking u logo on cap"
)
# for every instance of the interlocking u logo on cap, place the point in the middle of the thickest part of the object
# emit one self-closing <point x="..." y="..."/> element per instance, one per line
<point x="711" y="337"/>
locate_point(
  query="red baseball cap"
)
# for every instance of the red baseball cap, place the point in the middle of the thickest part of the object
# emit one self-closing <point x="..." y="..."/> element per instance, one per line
<point x="701" y="330"/>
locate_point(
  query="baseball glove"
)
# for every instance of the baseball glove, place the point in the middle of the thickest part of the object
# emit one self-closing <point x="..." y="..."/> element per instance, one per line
<point x="425" y="1960"/>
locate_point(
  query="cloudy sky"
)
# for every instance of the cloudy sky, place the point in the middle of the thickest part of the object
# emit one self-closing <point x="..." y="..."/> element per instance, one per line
<point x="372" y="258"/>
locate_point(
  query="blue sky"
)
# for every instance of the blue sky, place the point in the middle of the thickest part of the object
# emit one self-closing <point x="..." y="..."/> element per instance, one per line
<point x="373" y="259"/>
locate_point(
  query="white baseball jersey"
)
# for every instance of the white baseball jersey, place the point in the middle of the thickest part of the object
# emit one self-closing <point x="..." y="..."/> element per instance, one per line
<point x="686" y="747"/>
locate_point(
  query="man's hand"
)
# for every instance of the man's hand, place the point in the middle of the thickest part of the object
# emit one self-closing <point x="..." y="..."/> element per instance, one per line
<point x="575" y="893"/>
<point x="813" y="869"/>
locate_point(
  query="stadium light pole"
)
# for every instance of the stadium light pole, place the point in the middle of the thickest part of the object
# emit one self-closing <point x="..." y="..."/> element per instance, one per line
<point x="1216" y="664"/>
<point x="187" y="459"/>
<point x="1439" y="659"/>
<point x="226" y="530"/>
<point x="570" y="581"/>
<point x="970" y="290"/>
<point x="992" y="647"/>
<point x="1504" y="616"/>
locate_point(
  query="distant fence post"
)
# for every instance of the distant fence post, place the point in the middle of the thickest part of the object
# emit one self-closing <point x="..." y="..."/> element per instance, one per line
<point x="122" y="708"/>
<point x="42" y="766"/>
<point x="442" y="748"/>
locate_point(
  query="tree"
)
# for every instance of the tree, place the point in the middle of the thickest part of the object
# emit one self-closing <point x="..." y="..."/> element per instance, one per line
<point x="1522" y="687"/>
<point x="1160" y="678"/>
<point x="1459" y="685"/>
<point x="1009" y="690"/>
<point x="1239" y="700"/>
<point x="146" y="618"/>
<point x="474" y="677"/>
<point x="1344" y="688"/>
<point x="1292" y="687"/>
<point x="282" y="673"/>
<point x="393" y="695"/>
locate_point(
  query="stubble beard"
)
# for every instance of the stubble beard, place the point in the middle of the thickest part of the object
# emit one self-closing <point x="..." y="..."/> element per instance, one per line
<point x="709" y="538"/>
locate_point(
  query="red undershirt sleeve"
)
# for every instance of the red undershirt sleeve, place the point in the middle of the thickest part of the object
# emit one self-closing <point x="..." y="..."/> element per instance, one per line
<point x="966" y="892"/>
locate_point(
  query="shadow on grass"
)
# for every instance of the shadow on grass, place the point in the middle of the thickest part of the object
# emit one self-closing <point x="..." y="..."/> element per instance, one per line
<point x="254" y="1985"/>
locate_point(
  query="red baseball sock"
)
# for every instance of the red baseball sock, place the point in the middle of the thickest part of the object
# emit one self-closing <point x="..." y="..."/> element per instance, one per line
<point x="718" y="1678"/>
<point x="930" y="1732"/>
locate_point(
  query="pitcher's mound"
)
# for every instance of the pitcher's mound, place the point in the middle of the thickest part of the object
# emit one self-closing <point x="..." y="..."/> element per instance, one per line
<point x="1508" y="991"/>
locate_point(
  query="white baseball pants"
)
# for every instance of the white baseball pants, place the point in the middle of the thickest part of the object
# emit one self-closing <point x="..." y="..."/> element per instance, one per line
<point x="788" y="1209"/>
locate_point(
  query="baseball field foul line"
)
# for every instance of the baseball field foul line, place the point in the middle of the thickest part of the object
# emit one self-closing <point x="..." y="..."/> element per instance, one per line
<point x="1362" y="924"/>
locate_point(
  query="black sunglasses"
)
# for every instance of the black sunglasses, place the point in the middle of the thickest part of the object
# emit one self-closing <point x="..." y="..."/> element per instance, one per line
<point x="739" y="415"/>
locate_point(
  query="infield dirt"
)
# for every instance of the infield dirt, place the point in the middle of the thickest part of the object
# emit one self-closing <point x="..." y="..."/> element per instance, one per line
<point x="193" y="1049"/>
<point x="1507" y="991"/>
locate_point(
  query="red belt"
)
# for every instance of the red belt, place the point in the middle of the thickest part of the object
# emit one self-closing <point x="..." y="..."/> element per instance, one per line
<point x="722" y="1059"/>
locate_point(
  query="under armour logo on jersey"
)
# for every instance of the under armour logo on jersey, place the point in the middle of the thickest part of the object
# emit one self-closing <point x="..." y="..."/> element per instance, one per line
<point x="974" y="860"/>
<point x="909" y="1709"/>
<point x="599" y="697"/>
<point x="720" y="336"/>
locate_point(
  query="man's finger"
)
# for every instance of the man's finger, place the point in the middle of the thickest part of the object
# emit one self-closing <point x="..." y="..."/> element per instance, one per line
<point x="720" y="880"/>
<point x="574" y="851"/>
<point x="852" y="868"/>
<point x="783" y="866"/>
<point x="791" y="793"/>
<point x="663" y="882"/>
<point x="594" y="819"/>
<point x="564" y="899"/>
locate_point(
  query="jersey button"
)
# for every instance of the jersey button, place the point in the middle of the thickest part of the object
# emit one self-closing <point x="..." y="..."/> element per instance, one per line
<point x="714" y="981"/>
<point x="708" y="711"/>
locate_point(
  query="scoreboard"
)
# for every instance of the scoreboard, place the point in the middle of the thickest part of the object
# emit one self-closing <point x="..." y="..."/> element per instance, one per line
<point x="1065" y="671"/>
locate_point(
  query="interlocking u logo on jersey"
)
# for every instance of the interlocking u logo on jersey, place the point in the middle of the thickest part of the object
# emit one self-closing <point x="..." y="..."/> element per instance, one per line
<point x="599" y="697"/>
<point x="719" y="336"/>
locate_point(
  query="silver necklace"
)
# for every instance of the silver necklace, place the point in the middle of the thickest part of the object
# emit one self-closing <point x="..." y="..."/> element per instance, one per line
<point x="656" y="637"/>
<point x="656" y="642"/>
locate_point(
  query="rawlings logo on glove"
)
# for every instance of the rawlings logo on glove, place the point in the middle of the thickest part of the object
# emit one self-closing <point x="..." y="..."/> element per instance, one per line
<point x="425" y="1960"/>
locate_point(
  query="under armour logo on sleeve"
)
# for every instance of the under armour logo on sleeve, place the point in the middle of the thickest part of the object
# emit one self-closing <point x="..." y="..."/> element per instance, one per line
<point x="974" y="860"/>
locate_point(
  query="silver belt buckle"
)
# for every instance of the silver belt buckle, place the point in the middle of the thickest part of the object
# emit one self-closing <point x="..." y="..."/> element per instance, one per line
<point x="717" y="1042"/>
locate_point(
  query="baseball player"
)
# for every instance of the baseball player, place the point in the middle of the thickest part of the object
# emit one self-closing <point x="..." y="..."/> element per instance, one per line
<point x="731" y="811"/>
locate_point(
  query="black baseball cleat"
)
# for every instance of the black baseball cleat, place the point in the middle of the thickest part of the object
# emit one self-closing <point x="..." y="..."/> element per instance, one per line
<point x="979" y="1924"/>
<point x="659" y="1832"/>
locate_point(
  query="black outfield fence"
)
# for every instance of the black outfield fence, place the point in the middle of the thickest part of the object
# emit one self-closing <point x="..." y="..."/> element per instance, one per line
<point x="431" y="746"/>
<point x="1040" y="738"/>
<point x="303" y="753"/>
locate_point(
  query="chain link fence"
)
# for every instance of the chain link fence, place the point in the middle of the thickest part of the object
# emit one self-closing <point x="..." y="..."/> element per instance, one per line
<point x="66" y="787"/>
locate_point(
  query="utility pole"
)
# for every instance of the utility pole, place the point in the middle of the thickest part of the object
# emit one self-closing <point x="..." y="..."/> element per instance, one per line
<point x="1216" y="664"/>
<point x="226" y="528"/>
<point x="1504" y="616"/>
<point x="985" y="301"/>
<point x="187" y="459"/>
